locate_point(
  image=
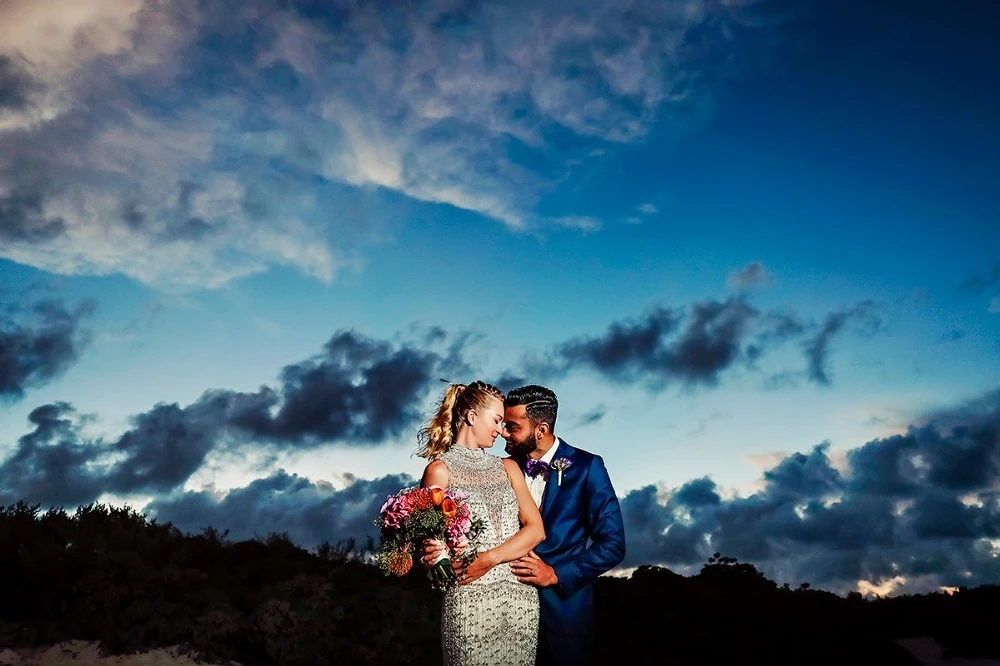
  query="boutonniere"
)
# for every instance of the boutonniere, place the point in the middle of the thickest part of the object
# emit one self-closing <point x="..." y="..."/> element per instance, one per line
<point x="559" y="464"/>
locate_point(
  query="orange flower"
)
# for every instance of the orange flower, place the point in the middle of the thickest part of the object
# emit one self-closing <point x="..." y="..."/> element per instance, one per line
<point x="421" y="500"/>
<point x="437" y="495"/>
<point x="449" y="508"/>
<point x="400" y="563"/>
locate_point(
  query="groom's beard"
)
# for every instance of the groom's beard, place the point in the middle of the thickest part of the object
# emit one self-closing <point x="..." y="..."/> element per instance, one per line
<point x="522" y="449"/>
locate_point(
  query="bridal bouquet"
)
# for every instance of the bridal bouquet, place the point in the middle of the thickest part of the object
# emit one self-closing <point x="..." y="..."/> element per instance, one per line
<point x="415" y="514"/>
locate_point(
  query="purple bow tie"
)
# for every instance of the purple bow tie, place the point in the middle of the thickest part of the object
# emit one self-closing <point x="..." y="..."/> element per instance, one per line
<point x="535" y="467"/>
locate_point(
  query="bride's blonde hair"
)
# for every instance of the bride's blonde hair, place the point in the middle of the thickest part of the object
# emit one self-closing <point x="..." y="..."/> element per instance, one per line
<point x="437" y="436"/>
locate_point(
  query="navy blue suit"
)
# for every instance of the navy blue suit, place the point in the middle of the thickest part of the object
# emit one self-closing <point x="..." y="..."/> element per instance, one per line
<point x="584" y="537"/>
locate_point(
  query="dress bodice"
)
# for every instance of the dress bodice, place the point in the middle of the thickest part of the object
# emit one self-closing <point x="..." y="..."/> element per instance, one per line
<point x="483" y="479"/>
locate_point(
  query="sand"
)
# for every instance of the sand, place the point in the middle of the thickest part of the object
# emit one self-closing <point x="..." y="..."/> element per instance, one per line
<point x="930" y="653"/>
<point x="85" y="653"/>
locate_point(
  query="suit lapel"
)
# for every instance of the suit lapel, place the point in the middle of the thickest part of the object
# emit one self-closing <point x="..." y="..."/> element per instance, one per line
<point x="552" y="486"/>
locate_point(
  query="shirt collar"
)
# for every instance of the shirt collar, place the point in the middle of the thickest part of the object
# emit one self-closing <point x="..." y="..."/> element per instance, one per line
<point x="551" y="453"/>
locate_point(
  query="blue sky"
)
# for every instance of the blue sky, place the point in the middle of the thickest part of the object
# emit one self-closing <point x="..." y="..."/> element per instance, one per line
<point x="751" y="244"/>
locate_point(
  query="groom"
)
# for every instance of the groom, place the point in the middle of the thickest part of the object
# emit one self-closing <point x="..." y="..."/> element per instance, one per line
<point x="584" y="533"/>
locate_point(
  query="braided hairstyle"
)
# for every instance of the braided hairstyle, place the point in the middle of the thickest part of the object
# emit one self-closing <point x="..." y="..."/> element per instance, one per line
<point x="438" y="435"/>
<point x="540" y="404"/>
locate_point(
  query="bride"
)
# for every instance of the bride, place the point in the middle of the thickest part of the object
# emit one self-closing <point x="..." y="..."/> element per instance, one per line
<point x="490" y="618"/>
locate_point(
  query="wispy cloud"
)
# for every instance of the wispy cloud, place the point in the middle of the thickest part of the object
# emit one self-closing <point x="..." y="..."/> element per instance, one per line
<point x="751" y="276"/>
<point x="578" y="222"/>
<point x="106" y="167"/>
<point x="593" y="416"/>
<point x="863" y="315"/>
<point x="989" y="285"/>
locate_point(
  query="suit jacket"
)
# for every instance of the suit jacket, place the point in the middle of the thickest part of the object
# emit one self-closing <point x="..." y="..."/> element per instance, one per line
<point x="584" y="537"/>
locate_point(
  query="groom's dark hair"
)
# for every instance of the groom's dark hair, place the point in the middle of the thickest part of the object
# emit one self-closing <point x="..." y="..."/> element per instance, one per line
<point x="540" y="403"/>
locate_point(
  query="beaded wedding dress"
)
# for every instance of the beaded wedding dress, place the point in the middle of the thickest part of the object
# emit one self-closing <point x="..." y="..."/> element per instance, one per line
<point x="494" y="619"/>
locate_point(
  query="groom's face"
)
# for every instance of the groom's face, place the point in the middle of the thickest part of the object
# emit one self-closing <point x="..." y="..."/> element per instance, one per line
<point x="518" y="432"/>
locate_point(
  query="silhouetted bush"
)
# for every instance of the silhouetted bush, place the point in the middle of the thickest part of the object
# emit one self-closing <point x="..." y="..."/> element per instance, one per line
<point x="111" y="574"/>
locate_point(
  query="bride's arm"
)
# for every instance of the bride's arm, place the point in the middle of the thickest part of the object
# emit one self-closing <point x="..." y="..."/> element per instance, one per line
<point x="435" y="474"/>
<point x="532" y="531"/>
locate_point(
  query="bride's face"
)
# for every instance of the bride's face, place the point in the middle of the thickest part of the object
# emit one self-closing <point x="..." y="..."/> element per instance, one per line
<point x="487" y="422"/>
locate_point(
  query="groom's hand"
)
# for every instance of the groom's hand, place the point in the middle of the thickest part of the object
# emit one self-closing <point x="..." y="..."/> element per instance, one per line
<point x="531" y="570"/>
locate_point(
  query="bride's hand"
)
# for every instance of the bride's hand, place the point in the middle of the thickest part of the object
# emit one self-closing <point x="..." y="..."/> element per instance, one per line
<point x="483" y="563"/>
<point x="430" y="552"/>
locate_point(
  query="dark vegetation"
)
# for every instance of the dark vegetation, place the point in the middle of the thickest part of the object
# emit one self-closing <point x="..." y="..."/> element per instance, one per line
<point x="110" y="574"/>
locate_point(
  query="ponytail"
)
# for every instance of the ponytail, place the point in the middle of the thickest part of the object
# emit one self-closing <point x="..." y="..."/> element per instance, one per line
<point x="436" y="437"/>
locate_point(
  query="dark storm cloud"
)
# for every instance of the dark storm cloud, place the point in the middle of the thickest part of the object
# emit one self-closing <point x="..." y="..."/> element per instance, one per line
<point x="309" y="512"/>
<point x="357" y="391"/>
<point x="22" y="217"/>
<point x="510" y="380"/>
<point x="38" y="343"/>
<point x="922" y="505"/>
<point x="695" y="347"/>
<point x="165" y="446"/>
<point x="628" y="348"/>
<point x="646" y="350"/>
<point x="51" y="463"/>
<point x="863" y="315"/>
<point x="16" y="86"/>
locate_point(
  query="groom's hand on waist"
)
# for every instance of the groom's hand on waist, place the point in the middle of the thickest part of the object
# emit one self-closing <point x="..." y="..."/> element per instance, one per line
<point x="532" y="570"/>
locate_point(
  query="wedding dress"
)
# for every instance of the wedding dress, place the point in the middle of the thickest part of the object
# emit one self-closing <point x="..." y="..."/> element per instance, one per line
<point x="494" y="619"/>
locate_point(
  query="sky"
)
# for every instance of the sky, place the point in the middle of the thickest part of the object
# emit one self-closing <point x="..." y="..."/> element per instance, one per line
<point x="751" y="244"/>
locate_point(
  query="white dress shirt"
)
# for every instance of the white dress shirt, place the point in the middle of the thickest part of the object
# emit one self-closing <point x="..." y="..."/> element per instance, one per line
<point x="537" y="484"/>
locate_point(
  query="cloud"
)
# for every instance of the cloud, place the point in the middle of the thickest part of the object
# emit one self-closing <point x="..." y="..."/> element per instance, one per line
<point x="977" y="284"/>
<point x="751" y="276"/>
<point x="864" y="315"/>
<point x="581" y="223"/>
<point x="989" y="285"/>
<point x="310" y="512"/>
<point x="286" y="114"/>
<point x="954" y="335"/>
<point x="357" y="392"/>
<point x="508" y="381"/>
<point x="642" y="350"/>
<point x="641" y="212"/>
<point x="22" y="217"/>
<point x="695" y="347"/>
<point x="593" y="416"/>
<point x="702" y="426"/>
<point x="51" y="463"/>
<point x="923" y="505"/>
<point x="38" y="343"/>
